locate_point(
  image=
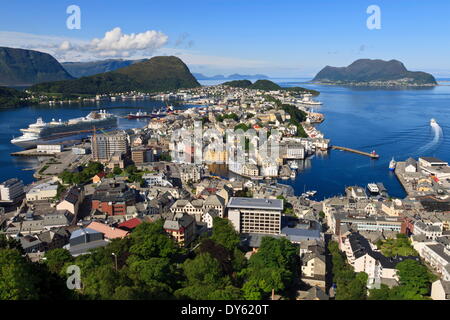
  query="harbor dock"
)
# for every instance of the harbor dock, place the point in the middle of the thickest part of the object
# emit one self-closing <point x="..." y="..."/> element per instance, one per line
<point x="31" y="153"/>
<point x="372" y="155"/>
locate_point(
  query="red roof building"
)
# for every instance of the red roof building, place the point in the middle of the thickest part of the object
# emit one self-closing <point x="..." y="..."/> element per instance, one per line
<point x="130" y="225"/>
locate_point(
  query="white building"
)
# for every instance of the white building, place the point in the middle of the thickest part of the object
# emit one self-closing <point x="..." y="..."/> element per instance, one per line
<point x="250" y="215"/>
<point x="435" y="254"/>
<point x="429" y="230"/>
<point x="49" y="148"/>
<point x="11" y="190"/>
<point x="269" y="169"/>
<point x="43" y="191"/>
<point x="440" y="290"/>
<point x="156" y="179"/>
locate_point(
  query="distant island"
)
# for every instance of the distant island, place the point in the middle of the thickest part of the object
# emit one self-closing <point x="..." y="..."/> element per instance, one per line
<point x="267" y="85"/>
<point x="162" y="73"/>
<point x="367" y="72"/>
<point x="20" y="67"/>
<point x="90" y="68"/>
<point x="235" y="76"/>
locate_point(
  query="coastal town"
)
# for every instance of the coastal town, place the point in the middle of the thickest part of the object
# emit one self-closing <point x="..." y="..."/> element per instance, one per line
<point x="88" y="192"/>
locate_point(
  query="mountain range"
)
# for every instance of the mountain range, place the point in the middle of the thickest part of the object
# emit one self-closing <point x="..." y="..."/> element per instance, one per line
<point x="375" y="72"/>
<point x="20" y="67"/>
<point x="157" y="74"/>
<point x="235" y="76"/>
<point x="85" y="69"/>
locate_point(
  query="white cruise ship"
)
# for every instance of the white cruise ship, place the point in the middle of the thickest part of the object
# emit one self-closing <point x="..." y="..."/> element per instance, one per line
<point x="57" y="131"/>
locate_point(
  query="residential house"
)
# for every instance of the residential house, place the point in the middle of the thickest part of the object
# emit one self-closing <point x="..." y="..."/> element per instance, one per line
<point x="72" y="200"/>
<point x="181" y="227"/>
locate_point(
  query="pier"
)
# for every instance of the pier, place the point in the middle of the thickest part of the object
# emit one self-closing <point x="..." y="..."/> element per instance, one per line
<point x="31" y="153"/>
<point x="372" y="155"/>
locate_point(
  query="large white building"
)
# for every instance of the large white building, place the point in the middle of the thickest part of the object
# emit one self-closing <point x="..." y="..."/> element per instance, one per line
<point x="11" y="190"/>
<point x="43" y="191"/>
<point x="49" y="148"/>
<point x="364" y="257"/>
<point x="250" y="215"/>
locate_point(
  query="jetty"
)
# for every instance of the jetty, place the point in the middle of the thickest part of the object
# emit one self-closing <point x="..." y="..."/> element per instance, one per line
<point x="372" y="155"/>
<point x="32" y="153"/>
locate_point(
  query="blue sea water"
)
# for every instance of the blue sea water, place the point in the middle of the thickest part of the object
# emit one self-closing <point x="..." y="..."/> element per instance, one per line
<point x="393" y="122"/>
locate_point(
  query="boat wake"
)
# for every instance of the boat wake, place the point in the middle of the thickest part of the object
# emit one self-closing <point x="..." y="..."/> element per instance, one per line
<point x="438" y="134"/>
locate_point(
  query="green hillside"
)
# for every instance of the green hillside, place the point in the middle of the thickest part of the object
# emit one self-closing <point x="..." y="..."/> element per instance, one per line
<point x="267" y="85"/>
<point x="10" y="97"/>
<point x="19" y="67"/>
<point x="154" y="75"/>
<point x="367" y="70"/>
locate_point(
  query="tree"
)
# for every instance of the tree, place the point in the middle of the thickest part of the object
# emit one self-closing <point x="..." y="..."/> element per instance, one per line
<point x="56" y="259"/>
<point x="219" y="252"/>
<point x="274" y="266"/>
<point x="414" y="277"/>
<point x="17" y="280"/>
<point x="204" y="276"/>
<point x="117" y="171"/>
<point x="225" y="234"/>
<point x="9" y="243"/>
<point x="349" y="285"/>
<point x="149" y="240"/>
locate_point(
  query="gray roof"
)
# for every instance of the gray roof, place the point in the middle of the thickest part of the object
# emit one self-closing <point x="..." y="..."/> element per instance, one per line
<point x="253" y="203"/>
<point x="85" y="247"/>
<point x="432" y="159"/>
<point x="82" y="231"/>
<point x="439" y="249"/>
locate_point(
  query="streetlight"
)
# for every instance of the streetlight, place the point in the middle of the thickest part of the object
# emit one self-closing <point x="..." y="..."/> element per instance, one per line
<point x="115" y="258"/>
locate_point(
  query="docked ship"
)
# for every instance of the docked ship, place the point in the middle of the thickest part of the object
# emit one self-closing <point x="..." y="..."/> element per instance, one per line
<point x="139" y="115"/>
<point x="56" y="131"/>
<point x="392" y="164"/>
<point x="308" y="101"/>
<point x="373" y="189"/>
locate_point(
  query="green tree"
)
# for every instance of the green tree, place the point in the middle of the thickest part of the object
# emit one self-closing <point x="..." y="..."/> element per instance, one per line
<point x="414" y="277"/>
<point x="17" y="280"/>
<point x="56" y="259"/>
<point x="117" y="171"/>
<point x="204" y="276"/>
<point x="9" y="243"/>
<point x="150" y="240"/>
<point x="225" y="234"/>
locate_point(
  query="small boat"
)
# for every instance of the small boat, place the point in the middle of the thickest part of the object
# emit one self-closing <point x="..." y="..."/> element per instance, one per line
<point x="293" y="175"/>
<point x="392" y="164"/>
<point x="433" y="122"/>
<point x="311" y="193"/>
<point x="293" y="165"/>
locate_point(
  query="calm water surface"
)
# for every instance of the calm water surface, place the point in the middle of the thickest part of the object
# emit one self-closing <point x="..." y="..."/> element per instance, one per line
<point x="394" y="123"/>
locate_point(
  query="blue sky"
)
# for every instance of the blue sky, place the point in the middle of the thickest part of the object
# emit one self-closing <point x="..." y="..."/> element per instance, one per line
<point x="280" y="38"/>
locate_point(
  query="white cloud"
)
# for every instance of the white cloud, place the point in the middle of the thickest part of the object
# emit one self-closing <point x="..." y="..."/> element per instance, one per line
<point x="115" y="42"/>
<point x="65" y="46"/>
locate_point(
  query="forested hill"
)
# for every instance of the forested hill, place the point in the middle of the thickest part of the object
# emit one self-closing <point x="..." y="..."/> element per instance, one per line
<point x="372" y="71"/>
<point x="86" y="69"/>
<point x="157" y="74"/>
<point x="10" y="97"/>
<point x="20" y="67"/>
<point x="266" y="85"/>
